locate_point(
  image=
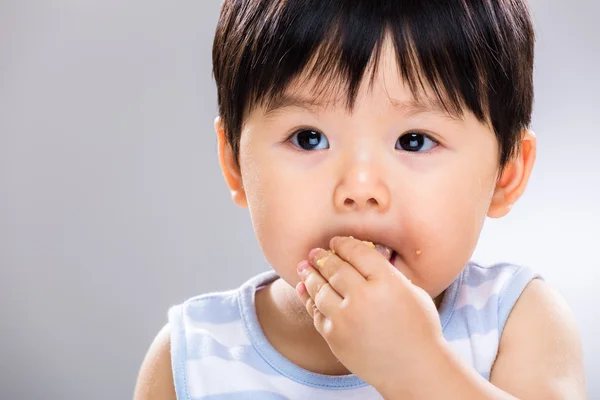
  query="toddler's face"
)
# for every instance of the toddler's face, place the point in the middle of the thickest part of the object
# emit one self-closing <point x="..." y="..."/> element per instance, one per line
<point x="417" y="181"/>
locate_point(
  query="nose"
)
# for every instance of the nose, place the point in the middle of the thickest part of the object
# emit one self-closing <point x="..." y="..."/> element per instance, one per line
<point x="362" y="188"/>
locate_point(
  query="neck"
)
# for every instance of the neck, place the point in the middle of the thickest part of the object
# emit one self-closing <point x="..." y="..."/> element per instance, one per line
<point x="295" y="315"/>
<point x="290" y="329"/>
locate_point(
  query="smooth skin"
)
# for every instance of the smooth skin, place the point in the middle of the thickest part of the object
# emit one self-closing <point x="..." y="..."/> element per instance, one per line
<point x="429" y="206"/>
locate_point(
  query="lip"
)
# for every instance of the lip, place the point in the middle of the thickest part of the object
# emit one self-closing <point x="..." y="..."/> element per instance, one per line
<point x="384" y="250"/>
<point x="393" y="258"/>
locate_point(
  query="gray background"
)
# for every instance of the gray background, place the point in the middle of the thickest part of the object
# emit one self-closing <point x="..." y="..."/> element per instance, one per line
<point x="113" y="208"/>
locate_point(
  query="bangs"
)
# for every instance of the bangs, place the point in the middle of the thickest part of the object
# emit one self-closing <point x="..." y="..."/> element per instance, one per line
<point x="334" y="56"/>
<point x="464" y="54"/>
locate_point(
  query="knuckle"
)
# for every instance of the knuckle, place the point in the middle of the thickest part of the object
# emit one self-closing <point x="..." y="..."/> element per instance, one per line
<point x="347" y="316"/>
<point x="329" y="269"/>
<point x="335" y="280"/>
<point x="321" y="291"/>
<point x="330" y="330"/>
<point x="318" y="319"/>
<point x="310" y="283"/>
<point x="327" y="265"/>
<point x="320" y="287"/>
<point x="310" y="306"/>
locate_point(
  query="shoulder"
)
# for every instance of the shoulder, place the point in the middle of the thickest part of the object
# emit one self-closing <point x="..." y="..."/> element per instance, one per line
<point x="155" y="379"/>
<point x="210" y="303"/>
<point x="540" y="354"/>
<point x="499" y="276"/>
<point x="502" y="279"/>
<point x="210" y="317"/>
<point x="493" y="288"/>
<point x="163" y="374"/>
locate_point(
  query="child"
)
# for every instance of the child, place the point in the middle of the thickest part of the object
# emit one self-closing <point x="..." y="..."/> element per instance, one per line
<point x="369" y="140"/>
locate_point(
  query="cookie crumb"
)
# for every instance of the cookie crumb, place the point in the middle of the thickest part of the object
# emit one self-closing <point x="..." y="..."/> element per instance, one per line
<point x="321" y="262"/>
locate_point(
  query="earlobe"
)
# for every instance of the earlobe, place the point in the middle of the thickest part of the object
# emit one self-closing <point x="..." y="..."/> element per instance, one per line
<point x="515" y="177"/>
<point x="229" y="167"/>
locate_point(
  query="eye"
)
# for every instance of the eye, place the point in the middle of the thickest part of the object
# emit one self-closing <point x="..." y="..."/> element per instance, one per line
<point x="415" y="142"/>
<point x="308" y="139"/>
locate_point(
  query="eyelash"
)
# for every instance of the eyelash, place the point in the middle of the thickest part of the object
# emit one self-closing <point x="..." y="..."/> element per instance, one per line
<point x="307" y="128"/>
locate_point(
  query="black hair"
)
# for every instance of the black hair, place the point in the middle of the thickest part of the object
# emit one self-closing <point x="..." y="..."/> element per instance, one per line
<point x="473" y="54"/>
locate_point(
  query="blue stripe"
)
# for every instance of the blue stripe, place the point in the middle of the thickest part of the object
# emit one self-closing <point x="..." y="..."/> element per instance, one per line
<point x="250" y="394"/>
<point x="468" y="320"/>
<point x="202" y="345"/>
<point x="178" y="352"/>
<point x="220" y="308"/>
<point x="485" y="375"/>
<point x="279" y="363"/>
<point x="215" y="309"/>
<point x="477" y="274"/>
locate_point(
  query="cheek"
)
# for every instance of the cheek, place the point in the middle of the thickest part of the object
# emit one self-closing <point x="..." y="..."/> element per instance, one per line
<point x="448" y="228"/>
<point x="284" y="215"/>
<point x="463" y="218"/>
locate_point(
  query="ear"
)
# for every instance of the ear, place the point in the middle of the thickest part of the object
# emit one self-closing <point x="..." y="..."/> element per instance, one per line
<point x="513" y="181"/>
<point x="231" y="171"/>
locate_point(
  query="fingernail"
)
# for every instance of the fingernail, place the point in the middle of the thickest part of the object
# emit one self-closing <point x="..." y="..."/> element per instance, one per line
<point x="300" y="288"/>
<point x="302" y="268"/>
<point x="313" y="252"/>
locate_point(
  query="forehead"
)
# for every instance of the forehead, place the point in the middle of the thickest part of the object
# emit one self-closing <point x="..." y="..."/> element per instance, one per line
<point x="382" y="80"/>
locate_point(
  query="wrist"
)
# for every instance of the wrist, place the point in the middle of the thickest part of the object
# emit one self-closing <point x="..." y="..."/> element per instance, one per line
<point x="429" y="378"/>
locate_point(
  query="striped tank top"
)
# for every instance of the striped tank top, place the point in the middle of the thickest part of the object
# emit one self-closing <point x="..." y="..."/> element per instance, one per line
<point x="219" y="352"/>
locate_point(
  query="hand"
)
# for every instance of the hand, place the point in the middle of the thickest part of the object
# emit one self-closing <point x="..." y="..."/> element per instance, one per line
<point x="377" y="323"/>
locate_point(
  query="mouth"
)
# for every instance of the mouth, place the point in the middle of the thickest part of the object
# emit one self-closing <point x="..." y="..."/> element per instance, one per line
<point x="384" y="250"/>
<point x="375" y="242"/>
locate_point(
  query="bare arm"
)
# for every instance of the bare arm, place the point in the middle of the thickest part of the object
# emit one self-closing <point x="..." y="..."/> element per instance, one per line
<point x="539" y="357"/>
<point x="155" y="380"/>
<point x="540" y="354"/>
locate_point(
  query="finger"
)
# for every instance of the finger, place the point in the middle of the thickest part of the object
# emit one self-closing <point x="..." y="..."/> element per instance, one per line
<point x="320" y="320"/>
<point x="302" y="293"/>
<point x="321" y="292"/>
<point x="305" y="298"/>
<point x="311" y="307"/>
<point x="365" y="259"/>
<point x="343" y="277"/>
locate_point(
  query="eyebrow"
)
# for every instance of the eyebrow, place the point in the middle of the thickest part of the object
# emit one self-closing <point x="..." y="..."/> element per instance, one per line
<point x="313" y="105"/>
<point x="284" y="101"/>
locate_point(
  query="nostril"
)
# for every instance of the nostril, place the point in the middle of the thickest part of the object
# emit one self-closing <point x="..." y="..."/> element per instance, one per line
<point x="352" y="204"/>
